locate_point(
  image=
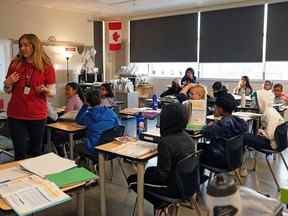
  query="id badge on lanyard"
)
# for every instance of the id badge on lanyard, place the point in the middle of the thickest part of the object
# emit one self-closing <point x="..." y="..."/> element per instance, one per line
<point x="27" y="88"/>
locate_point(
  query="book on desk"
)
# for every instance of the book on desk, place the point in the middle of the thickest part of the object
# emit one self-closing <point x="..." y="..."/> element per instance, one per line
<point x="27" y="193"/>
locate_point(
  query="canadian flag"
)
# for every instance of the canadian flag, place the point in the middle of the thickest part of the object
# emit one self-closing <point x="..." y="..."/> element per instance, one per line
<point x="115" y="28"/>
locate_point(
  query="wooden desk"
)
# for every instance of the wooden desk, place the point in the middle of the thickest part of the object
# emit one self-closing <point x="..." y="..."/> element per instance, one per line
<point x="107" y="149"/>
<point x="79" y="189"/>
<point x="68" y="127"/>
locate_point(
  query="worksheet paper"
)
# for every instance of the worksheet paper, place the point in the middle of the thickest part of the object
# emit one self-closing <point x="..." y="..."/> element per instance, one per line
<point x="12" y="173"/>
<point x="135" y="150"/>
<point x="31" y="194"/>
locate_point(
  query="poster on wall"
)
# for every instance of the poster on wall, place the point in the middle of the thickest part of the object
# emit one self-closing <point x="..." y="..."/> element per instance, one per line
<point x="115" y="28"/>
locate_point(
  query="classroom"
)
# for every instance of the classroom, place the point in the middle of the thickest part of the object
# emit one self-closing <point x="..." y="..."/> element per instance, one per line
<point x="145" y="108"/>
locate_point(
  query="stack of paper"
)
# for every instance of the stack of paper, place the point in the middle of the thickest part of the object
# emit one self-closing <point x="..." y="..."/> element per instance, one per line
<point x="135" y="150"/>
<point x="12" y="173"/>
<point x="31" y="194"/>
<point x="47" y="164"/>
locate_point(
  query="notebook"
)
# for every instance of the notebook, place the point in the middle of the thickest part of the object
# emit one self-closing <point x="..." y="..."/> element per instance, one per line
<point x="47" y="164"/>
<point x="71" y="177"/>
<point x="135" y="150"/>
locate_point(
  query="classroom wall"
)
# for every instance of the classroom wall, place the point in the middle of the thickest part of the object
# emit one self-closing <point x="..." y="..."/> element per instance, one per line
<point x="18" y="18"/>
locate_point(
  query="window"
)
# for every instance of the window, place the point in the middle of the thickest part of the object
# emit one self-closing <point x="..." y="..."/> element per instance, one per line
<point x="231" y="70"/>
<point x="173" y="69"/>
<point x="220" y="34"/>
<point x="276" y="70"/>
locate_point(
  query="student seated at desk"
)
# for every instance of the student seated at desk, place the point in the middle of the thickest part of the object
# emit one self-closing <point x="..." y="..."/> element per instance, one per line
<point x="173" y="90"/>
<point x="229" y="126"/>
<point x="96" y="118"/>
<point x="271" y="119"/>
<point x="219" y="89"/>
<point x="107" y="96"/>
<point x="189" y="77"/>
<point x="244" y="86"/>
<point x="193" y="92"/>
<point x="74" y="97"/>
<point x="280" y="97"/>
<point x="175" y="145"/>
<point x="267" y="85"/>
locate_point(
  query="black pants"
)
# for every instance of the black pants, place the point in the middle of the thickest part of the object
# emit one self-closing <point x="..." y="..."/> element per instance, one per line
<point x="149" y="188"/>
<point x="257" y="142"/>
<point x="27" y="137"/>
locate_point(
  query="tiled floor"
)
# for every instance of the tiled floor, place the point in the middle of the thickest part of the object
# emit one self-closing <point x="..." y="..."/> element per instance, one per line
<point x="120" y="201"/>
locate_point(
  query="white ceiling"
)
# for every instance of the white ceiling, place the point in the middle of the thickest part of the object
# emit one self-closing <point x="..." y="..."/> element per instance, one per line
<point x="126" y="7"/>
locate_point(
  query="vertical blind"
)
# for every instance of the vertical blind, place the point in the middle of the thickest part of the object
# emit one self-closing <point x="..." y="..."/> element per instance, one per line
<point x="165" y="39"/>
<point x="277" y="32"/>
<point x="232" y="35"/>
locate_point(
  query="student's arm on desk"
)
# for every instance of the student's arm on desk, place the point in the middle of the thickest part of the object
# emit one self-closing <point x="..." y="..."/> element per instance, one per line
<point x="81" y="117"/>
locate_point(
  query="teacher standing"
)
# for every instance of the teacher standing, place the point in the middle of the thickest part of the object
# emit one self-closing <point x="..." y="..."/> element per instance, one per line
<point x="30" y="80"/>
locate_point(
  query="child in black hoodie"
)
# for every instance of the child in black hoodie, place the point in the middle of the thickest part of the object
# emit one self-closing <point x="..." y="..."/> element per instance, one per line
<point x="175" y="145"/>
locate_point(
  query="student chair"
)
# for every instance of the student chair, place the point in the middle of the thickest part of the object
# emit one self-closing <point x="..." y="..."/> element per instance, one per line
<point x="233" y="157"/>
<point x="281" y="139"/>
<point x="106" y="137"/>
<point x="187" y="183"/>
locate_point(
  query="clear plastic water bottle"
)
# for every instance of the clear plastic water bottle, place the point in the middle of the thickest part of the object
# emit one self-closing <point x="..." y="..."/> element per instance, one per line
<point x="154" y="102"/>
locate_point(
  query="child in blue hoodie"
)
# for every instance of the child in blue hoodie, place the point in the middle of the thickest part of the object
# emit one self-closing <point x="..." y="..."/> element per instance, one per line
<point x="96" y="118"/>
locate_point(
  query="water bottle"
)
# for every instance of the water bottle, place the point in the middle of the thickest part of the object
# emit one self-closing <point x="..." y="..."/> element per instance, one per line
<point x="243" y="99"/>
<point x="140" y="124"/>
<point x="223" y="197"/>
<point x="154" y="102"/>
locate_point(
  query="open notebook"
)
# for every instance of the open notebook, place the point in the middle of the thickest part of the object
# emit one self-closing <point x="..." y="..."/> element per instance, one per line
<point x="135" y="149"/>
<point x="47" y="164"/>
<point x="31" y="194"/>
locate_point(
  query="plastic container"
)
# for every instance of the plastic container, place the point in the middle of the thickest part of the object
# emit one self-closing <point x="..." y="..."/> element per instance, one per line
<point x="223" y="197"/>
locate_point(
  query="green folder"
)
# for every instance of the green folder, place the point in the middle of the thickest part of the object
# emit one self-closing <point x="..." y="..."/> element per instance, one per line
<point x="194" y="128"/>
<point x="71" y="177"/>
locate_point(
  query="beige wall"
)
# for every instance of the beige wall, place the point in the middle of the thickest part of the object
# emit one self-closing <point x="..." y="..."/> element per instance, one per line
<point x="16" y="19"/>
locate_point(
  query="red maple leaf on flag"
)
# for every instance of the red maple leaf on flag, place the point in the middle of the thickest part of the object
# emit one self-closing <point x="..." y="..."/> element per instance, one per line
<point x="116" y="36"/>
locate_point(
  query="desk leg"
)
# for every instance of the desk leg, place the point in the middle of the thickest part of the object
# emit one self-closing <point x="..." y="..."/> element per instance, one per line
<point x="140" y="189"/>
<point x="81" y="202"/>
<point x="102" y="183"/>
<point x="49" y="142"/>
<point x="71" y="143"/>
